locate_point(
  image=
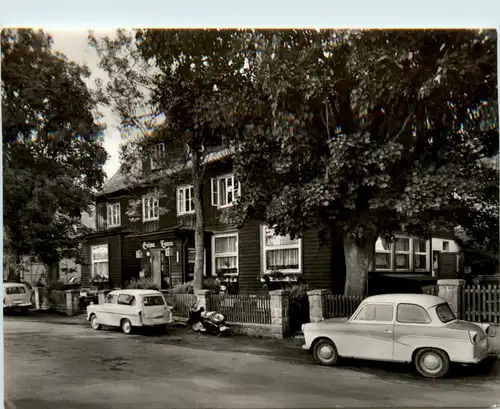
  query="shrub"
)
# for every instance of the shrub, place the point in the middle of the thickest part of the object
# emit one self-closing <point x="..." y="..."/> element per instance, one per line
<point x="186" y="288"/>
<point x="298" y="306"/>
<point x="145" y="283"/>
<point x="56" y="286"/>
<point x="211" y="283"/>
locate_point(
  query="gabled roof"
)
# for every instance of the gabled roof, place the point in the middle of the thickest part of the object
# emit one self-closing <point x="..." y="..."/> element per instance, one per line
<point x="118" y="180"/>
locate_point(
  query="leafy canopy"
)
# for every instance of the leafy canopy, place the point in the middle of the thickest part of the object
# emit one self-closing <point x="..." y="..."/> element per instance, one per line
<point x="53" y="155"/>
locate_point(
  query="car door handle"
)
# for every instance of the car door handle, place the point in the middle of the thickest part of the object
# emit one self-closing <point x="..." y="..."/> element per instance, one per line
<point x="388" y="331"/>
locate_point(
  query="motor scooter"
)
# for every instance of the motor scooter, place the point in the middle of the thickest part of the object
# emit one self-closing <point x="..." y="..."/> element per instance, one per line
<point x="212" y="322"/>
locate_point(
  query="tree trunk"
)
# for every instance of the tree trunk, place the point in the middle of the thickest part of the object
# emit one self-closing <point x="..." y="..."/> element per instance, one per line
<point x="358" y="253"/>
<point x="199" y="230"/>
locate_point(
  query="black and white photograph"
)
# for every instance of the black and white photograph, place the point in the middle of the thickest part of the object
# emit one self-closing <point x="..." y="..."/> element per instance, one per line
<point x="250" y="218"/>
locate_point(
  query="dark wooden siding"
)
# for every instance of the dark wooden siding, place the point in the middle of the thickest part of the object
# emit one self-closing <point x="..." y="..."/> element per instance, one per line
<point x="114" y="259"/>
<point x="249" y="258"/>
<point x="316" y="261"/>
<point x="213" y="219"/>
<point x="130" y="264"/>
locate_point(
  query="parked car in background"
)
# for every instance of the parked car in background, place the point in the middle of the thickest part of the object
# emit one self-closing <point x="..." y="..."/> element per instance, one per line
<point x="31" y="292"/>
<point x="16" y="296"/>
<point x="416" y="328"/>
<point x="129" y="309"/>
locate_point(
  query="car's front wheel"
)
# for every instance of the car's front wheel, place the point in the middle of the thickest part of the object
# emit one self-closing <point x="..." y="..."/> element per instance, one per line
<point x="94" y="323"/>
<point x="126" y="326"/>
<point x="325" y="352"/>
<point x="432" y="362"/>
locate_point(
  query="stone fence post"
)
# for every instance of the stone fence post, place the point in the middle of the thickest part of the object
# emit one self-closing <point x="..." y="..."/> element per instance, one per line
<point x="451" y="290"/>
<point x="72" y="302"/>
<point x="280" y="321"/>
<point x="101" y="296"/>
<point x="203" y="298"/>
<point x="316" y="307"/>
<point x="38" y="304"/>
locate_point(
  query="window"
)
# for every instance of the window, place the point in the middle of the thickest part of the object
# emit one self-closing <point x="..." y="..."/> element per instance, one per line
<point x="190" y="263"/>
<point x="280" y="253"/>
<point x="376" y="312"/>
<point x="111" y="299"/>
<point x="185" y="202"/>
<point x="126" y="299"/>
<point x="420" y="254"/>
<point x="446" y="246"/>
<point x="113" y="211"/>
<point x="225" y="254"/>
<point x="445" y="313"/>
<point x="402" y="245"/>
<point x="150" y="208"/>
<point x="99" y="261"/>
<point x="383" y="257"/>
<point x="157" y="154"/>
<point x="225" y="190"/>
<point x="152" y="300"/>
<point x="412" y="314"/>
<point x="15" y="290"/>
<point x="406" y="253"/>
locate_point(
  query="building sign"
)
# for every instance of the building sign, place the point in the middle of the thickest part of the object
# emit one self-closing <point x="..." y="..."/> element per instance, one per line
<point x="139" y="254"/>
<point x="168" y="252"/>
<point x="146" y="245"/>
<point x="164" y="244"/>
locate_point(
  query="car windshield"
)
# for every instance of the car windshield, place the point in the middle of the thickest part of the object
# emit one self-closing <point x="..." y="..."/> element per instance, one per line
<point x="15" y="290"/>
<point x="445" y="313"/>
<point x="151" y="300"/>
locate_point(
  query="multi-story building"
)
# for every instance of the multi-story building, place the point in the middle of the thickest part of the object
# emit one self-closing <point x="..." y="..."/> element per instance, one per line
<point x="159" y="243"/>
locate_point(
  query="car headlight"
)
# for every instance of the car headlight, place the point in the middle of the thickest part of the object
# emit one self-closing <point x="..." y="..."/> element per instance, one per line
<point x="473" y="336"/>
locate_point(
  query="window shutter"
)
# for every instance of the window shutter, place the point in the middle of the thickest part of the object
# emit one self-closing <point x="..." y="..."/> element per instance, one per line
<point x="215" y="192"/>
<point x="108" y="215"/>
<point x="179" y="201"/>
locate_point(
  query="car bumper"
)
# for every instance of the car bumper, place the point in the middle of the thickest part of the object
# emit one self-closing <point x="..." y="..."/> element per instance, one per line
<point x="305" y="347"/>
<point x="14" y="306"/>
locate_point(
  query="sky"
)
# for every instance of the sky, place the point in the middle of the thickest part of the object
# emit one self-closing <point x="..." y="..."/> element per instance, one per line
<point x="73" y="43"/>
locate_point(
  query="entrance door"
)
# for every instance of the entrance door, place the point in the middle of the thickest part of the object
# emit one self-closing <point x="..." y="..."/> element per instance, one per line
<point x="156" y="264"/>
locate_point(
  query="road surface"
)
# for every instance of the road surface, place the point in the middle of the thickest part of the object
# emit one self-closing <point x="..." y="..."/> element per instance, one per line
<point x="53" y="365"/>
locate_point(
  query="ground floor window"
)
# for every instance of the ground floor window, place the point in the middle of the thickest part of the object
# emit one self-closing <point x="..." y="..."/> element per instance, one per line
<point x="280" y="253"/>
<point x="225" y="254"/>
<point x="99" y="263"/>
<point x="405" y="253"/>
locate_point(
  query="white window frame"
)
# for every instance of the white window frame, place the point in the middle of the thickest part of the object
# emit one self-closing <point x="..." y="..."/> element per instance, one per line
<point x="113" y="214"/>
<point x="156" y="155"/>
<point x="412" y="253"/>
<point x="92" y="262"/>
<point x="409" y="253"/>
<point x="216" y="190"/>
<point x="232" y="254"/>
<point x="181" y="204"/>
<point x="391" y="258"/>
<point x="419" y="253"/>
<point x="152" y="201"/>
<point x="265" y="248"/>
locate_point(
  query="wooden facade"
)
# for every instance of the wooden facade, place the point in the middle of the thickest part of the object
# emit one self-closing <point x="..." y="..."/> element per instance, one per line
<point x="321" y="266"/>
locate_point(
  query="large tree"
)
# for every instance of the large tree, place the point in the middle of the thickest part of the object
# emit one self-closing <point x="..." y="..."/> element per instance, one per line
<point x="172" y="87"/>
<point x="53" y="155"/>
<point x="369" y="132"/>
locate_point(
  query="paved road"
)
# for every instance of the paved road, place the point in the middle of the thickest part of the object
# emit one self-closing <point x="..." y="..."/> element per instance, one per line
<point x="51" y="365"/>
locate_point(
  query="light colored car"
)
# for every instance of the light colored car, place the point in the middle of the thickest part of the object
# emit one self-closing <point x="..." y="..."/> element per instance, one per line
<point x="130" y="308"/>
<point x="16" y="296"/>
<point x="417" y="328"/>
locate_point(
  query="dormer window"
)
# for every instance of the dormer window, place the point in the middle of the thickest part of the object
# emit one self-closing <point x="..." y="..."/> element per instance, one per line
<point x="225" y="191"/>
<point x="157" y="155"/>
<point x="113" y="214"/>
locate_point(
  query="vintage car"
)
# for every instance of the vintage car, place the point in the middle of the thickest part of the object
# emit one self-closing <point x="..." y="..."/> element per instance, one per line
<point x="130" y="308"/>
<point x="416" y="328"/>
<point x="16" y="296"/>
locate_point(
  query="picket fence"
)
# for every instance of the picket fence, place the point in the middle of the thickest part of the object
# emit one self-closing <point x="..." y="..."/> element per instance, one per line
<point x="181" y="303"/>
<point x="480" y="303"/>
<point x="335" y="305"/>
<point x="244" y="308"/>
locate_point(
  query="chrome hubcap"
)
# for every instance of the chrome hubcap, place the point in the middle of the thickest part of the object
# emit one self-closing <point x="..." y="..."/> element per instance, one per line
<point x="326" y="352"/>
<point x="431" y="363"/>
